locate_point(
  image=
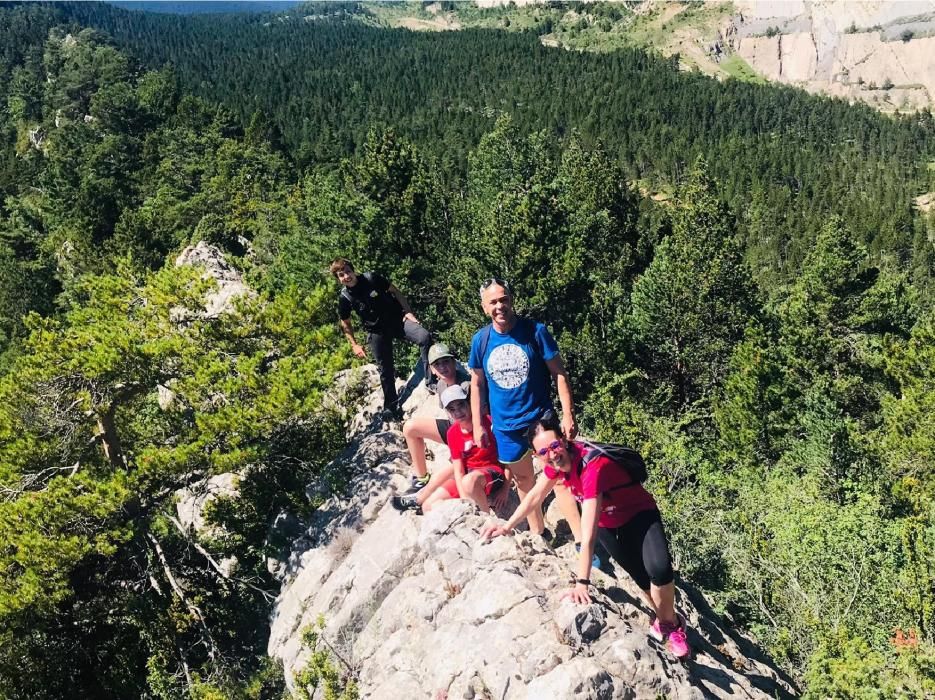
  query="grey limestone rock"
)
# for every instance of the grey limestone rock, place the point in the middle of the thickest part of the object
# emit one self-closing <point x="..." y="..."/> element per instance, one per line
<point x="192" y="501"/>
<point x="229" y="280"/>
<point x="420" y="607"/>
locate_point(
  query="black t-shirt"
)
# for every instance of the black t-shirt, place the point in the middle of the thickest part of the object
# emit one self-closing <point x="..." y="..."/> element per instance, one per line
<point x="376" y="308"/>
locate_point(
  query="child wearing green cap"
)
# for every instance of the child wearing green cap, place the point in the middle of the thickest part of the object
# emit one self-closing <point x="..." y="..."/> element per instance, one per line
<point x="418" y="429"/>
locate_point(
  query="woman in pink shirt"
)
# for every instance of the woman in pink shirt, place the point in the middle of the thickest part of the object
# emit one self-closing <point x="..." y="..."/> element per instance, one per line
<point x="621" y="510"/>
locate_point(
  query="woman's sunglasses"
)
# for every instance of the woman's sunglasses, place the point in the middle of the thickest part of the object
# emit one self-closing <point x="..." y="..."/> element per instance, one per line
<point x="552" y="447"/>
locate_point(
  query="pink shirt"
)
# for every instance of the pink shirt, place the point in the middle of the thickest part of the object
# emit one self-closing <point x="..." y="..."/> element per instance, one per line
<point x="601" y="475"/>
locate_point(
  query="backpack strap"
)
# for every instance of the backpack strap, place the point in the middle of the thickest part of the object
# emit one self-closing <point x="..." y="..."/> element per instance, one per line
<point x="485" y="337"/>
<point x="484" y="342"/>
<point x="595" y="451"/>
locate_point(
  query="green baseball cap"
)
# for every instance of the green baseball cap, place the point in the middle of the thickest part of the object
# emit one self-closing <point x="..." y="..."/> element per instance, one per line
<point x="438" y="351"/>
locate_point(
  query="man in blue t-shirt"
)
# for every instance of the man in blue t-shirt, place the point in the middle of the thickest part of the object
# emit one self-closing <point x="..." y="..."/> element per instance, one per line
<point x="513" y="361"/>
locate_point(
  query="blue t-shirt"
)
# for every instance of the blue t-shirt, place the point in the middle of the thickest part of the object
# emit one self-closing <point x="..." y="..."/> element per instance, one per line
<point x="518" y="381"/>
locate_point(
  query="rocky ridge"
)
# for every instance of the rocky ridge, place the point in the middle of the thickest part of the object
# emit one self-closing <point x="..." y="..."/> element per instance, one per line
<point x="417" y="607"/>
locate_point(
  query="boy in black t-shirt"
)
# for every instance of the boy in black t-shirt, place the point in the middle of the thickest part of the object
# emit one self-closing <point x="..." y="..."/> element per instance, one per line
<point x="385" y="314"/>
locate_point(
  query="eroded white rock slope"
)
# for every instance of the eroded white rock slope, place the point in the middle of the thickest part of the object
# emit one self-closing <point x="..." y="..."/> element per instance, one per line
<point x="421" y="609"/>
<point x="879" y="52"/>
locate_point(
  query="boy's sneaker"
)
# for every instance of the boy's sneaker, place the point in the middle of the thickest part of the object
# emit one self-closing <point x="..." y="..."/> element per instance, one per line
<point x="417" y="483"/>
<point x="595" y="560"/>
<point x="405" y="502"/>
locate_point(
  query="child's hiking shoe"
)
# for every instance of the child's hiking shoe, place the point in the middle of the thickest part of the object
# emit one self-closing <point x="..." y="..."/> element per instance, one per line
<point x="595" y="560"/>
<point x="406" y="502"/>
<point x="417" y="483"/>
<point x="655" y="630"/>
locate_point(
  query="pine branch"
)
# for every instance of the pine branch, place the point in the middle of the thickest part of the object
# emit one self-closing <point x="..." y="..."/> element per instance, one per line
<point x="180" y="592"/>
<point x="269" y="597"/>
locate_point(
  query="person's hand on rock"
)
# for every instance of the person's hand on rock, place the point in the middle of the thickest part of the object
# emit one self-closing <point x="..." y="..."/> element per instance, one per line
<point x="579" y="594"/>
<point x="491" y="530"/>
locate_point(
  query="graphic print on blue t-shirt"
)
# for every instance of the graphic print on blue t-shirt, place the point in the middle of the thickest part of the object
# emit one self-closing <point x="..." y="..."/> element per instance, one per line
<point x="508" y="366"/>
<point x="518" y="380"/>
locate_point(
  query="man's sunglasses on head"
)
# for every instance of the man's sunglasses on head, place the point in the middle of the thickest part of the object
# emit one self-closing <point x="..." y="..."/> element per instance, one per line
<point x="495" y="281"/>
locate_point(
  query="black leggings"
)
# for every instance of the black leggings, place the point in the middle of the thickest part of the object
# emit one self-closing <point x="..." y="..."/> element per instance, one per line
<point x="640" y="547"/>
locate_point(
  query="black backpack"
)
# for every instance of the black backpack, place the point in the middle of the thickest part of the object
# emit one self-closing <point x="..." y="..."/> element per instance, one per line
<point x="628" y="458"/>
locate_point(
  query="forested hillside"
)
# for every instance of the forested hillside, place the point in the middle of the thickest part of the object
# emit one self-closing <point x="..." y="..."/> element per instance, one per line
<point x="784" y="160"/>
<point x="194" y="7"/>
<point x="764" y="334"/>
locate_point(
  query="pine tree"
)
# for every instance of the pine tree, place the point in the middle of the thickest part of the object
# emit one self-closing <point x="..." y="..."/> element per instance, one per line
<point x="690" y="307"/>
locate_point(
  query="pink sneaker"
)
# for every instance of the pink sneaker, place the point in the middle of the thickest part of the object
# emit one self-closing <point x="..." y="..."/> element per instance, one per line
<point x="677" y="642"/>
<point x="672" y="635"/>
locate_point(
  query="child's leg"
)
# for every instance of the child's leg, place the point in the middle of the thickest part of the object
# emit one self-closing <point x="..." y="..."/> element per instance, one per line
<point x="439" y="495"/>
<point x="474" y="484"/>
<point x="438" y="479"/>
<point x="417" y="431"/>
<point x="569" y="508"/>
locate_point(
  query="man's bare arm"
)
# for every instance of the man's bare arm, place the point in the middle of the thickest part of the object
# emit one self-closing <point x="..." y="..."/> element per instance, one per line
<point x="478" y="389"/>
<point x="348" y="329"/>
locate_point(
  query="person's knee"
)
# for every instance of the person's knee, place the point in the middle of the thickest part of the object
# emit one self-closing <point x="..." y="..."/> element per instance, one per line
<point x="421" y="429"/>
<point x="656" y="555"/>
<point x="642" y="582"/>
<point x="660" y="571"/>
<point x="469" y="482"/>
<point x="385" y="368"/>
<point x="524" y="481"/>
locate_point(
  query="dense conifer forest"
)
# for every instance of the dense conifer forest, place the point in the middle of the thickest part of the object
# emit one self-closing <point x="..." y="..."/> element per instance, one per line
<point x="735" y="273"/>
<point x="784" y="160"/>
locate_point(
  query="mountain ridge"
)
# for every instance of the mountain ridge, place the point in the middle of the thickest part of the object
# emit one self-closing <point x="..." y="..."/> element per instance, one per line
<point x="880" y="53"/>
<point x="416" y="606"/>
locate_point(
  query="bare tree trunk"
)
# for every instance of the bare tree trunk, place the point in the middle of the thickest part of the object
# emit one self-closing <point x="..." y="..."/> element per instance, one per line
<point x="217" y="567"/>
<point x="180" y="592"/>
<point x="110" y="440"/>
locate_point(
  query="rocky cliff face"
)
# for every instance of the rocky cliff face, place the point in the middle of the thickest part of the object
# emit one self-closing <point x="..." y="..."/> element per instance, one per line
<point x="417" y="607"/>
<point x="878" y="52"/>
